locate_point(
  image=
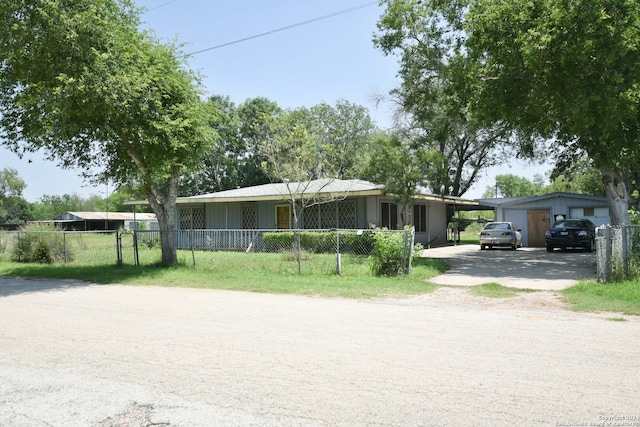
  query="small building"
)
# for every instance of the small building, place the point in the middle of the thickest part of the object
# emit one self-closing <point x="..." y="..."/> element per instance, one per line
<point x="91" y="221"/>
<point x="343" y="204"/>
<point x="535" y="215"/>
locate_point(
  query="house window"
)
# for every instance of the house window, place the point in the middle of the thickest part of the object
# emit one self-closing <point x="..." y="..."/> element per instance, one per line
<point x="249" y="217"/>
<point x="389" y="215"/>
<point x="192" y="218"/>
<point x="589" y="212"/>
<point x="420" y="217"/>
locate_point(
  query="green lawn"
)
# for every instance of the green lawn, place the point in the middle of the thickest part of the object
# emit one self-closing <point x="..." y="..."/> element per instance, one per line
<point x="256" y="272"/>
<point x="93" y="260"/>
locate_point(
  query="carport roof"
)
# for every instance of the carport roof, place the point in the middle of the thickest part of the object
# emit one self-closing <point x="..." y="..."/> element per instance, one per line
<point x="515" y="201"/>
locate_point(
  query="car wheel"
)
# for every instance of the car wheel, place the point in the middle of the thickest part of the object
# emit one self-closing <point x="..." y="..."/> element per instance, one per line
<point x="549" y="248"/>
<point x="514" y="247"/>
<point x="483" y="247"/>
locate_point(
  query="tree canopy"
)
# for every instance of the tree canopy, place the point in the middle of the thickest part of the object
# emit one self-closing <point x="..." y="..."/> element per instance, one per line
<point x="436" y="93"/>
<point x="568" y="71"/>
<point x="81" y="81"/>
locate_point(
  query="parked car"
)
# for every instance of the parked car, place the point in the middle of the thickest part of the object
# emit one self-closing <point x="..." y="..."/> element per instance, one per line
<point x="571" y="233"/>
<point x="500" y="234"/>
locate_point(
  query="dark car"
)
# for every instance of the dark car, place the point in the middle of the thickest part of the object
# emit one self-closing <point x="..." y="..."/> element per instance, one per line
<point x="571" y="233"/>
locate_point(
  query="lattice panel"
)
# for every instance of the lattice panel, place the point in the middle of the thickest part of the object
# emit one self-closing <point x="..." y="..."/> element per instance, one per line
<point x="347" y="214"/>
<point x="249" y="217"/>
<point x="331" y="215"/>
<point x="192" y="218"/>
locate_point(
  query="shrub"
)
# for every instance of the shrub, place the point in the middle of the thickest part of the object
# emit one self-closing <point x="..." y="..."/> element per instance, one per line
<point x="389" y="252"/>
<point x="41" y="244"/>
<point x="275" y="242"/>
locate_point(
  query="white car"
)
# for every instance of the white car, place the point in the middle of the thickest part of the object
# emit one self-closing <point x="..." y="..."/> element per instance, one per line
<point x="500" y="234"/>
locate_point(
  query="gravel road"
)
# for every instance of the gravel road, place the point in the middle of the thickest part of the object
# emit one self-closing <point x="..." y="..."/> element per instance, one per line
<point x="76" y="354"/>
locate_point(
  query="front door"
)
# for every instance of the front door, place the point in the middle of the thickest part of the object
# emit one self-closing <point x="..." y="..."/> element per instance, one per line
<point x="537" y="225"/>
<point x="283" y="217"/>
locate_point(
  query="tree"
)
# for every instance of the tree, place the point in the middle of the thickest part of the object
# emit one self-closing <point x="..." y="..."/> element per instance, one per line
<point x="567" y="70"/>
<point x="13" y="208"/>
<point x="82" y="82"/>
<point x="576" y="175"/>
<point x="436" y="93"/>
<point x="394" y="163"/>
<point x="48" y="206"/>
<point x="344" y="132"/>
<point x="234" y="160"/>
<point x="509" y="185"/>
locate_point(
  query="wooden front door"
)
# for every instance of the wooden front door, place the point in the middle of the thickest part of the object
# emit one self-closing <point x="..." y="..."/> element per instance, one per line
<point x="283" y="217"/>
<point x="537" y="225"/>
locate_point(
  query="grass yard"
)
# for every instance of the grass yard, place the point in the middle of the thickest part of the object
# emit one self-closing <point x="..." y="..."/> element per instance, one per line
<point x="617" y="297"/>
<point x="254" y="272"/>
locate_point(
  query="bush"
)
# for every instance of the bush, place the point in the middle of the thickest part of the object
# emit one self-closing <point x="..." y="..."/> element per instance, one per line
<point x="41" y="244"/>
<point x="389" y="251"/>
<point x="320" y="242"/>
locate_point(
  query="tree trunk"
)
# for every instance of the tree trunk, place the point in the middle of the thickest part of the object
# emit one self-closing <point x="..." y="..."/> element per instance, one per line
<point x="616" y="188"/>
<point x="164" y="206"/>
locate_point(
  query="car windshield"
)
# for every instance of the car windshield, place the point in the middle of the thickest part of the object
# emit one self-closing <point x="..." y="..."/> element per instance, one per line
<point x="570" y="224"/>
<point x="498" y="226"/>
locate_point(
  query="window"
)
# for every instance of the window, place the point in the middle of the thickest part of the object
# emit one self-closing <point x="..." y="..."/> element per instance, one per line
<point x="389" y="215"/>
<point x="420" y="217"/>
<point x="589" y="212"/>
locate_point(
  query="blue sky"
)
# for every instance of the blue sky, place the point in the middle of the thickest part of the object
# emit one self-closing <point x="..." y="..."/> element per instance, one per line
<point x="321" y="61"/>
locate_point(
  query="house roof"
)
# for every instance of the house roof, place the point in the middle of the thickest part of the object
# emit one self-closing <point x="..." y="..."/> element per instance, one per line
<point x="105" y="216"/>
<point x="323" y="187"/>
<point x="515" y="201"/>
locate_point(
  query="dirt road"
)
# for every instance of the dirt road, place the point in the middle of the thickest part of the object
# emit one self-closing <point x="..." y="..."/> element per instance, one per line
<point x="73" y="354"/>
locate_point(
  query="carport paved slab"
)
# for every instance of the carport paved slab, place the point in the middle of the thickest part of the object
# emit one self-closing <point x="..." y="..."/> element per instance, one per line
<point x="526" y="268"/>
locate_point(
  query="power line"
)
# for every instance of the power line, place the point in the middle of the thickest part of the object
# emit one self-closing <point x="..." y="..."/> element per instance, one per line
<point x="161" y="5"/>
<point x="288" y="27"/>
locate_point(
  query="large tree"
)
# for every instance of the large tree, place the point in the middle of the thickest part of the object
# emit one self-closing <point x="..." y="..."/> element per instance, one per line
<point x="567" y="70"/>
<point x="234" y="160"/>
<point x="83" y="82"/>
<point x="436" y="93"/>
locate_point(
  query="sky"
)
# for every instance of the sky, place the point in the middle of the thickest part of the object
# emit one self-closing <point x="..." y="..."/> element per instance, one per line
<point x="329" y="56"/>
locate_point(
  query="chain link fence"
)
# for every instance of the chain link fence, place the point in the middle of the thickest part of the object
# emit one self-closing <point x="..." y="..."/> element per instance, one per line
<point x="345" y="252"/>
<point x="79" y="247"/>
<point x="275" y="251"/>
<point x="618" y="252"/>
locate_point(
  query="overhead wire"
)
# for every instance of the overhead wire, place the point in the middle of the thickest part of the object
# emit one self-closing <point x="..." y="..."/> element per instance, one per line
<point x="288" y="27"/>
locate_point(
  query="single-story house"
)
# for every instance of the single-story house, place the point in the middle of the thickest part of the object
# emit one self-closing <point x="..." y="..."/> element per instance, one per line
<point x="86" y="221"/>
<point x="535" y="215"/>
<point x="343" y="204"/>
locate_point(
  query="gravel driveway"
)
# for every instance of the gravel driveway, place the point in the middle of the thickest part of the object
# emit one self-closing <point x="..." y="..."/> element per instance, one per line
<point x="74" y="354"/>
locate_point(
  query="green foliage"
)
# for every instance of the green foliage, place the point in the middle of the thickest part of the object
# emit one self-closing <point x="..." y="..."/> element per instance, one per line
<point x="436" y="91"/>
<point x="41" y="244"/>
<point x="509" y="185"/>
<point x="617" y="297"/>
<point x="390" y="254"/>
<point x="320" y="242"/>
